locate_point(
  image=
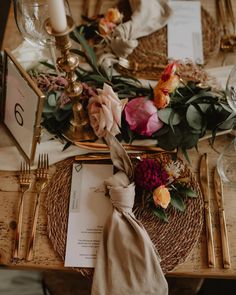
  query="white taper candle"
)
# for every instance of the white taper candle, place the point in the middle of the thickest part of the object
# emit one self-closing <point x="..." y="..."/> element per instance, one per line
<point x="57" y="14"/>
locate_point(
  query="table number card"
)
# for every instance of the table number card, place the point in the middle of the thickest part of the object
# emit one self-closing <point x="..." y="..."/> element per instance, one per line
<point x="88" y="210"/>
<point x="184" y="32"/>
<point x="21" y="107"/>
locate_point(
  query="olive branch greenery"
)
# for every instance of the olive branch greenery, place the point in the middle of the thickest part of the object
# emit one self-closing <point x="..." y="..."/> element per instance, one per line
<point x="191" y="112"/>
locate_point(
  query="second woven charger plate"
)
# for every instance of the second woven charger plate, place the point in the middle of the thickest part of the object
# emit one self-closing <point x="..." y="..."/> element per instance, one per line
<point x="150" y="56"/>
<point x="174" y="240"/>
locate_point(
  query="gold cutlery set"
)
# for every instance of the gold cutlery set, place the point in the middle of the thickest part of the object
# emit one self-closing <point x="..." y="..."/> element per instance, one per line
<point x="25" y="180"/>
<point x="204" y="181"/>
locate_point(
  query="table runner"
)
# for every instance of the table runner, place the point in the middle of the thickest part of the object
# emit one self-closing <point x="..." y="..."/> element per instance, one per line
<point x="10" y="157"/>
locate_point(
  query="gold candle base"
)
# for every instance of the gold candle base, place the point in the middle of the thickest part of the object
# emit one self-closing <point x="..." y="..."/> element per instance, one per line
<point x="79" y="129"/>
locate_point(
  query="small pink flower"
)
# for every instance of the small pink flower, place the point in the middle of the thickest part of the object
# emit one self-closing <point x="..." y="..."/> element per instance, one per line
<point x="141" y="115"/>
<point x="105" y="26"/>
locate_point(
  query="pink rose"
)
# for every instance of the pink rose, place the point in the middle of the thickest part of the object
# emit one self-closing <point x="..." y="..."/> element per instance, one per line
<point x="104" y="111"/>
<point x="141" y="115"/>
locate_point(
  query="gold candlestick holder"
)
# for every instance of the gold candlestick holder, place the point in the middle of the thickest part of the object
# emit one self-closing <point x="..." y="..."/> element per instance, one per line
<point x="79" y="128"/>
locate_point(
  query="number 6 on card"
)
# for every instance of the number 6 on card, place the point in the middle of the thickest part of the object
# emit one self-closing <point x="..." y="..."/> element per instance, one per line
<point x="21" y="107"/>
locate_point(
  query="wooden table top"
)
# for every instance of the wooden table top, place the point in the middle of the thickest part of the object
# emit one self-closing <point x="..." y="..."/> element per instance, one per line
<point x="46" y="258"/>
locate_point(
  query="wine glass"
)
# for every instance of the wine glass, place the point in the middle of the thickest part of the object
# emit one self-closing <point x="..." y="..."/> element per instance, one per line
<point x="226" y="163"/>
<point x="231" y="89"/>
<point x="30" y="16"/>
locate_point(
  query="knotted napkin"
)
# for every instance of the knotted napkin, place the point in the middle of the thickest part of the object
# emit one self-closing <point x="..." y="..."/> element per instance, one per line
<point x="127" y="261"/>
<point x="147" y="17"/>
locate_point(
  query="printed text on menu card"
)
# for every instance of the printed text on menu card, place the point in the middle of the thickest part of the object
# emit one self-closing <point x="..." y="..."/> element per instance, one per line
<point x="185" y="31"/>
<point x="89" y="208"/>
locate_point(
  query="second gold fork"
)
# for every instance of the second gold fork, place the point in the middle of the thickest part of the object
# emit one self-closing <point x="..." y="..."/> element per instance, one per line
<point x="41" y="183"/>
<point x="25" y="182"/>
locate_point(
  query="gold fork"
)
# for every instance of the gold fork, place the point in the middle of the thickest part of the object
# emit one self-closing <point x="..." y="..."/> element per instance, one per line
<point x="25" y="182"/>
<point x="41" y="183"/>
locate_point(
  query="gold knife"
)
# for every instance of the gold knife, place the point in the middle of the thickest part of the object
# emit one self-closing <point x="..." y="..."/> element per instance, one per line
<point x="223" y="230"/>
<point x="204" y="181"/>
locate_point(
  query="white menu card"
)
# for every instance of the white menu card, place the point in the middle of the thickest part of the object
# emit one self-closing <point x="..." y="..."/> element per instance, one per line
<point x="184" y="31"/>
<point x="88" y="210"/>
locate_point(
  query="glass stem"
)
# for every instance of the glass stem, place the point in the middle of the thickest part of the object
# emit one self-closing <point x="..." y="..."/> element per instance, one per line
<point x="52" y="50"/>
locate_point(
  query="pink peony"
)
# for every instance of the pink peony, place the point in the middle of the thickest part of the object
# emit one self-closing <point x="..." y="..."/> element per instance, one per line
<point x="141" y="115"/>
<point x="104" y="111"/>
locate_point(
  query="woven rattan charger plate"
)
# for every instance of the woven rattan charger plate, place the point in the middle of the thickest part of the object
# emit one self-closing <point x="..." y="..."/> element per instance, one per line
<point x="174" y="240"/>
<point x="150" y="56"/>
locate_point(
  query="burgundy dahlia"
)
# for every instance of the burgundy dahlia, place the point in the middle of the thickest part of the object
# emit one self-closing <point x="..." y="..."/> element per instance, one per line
<point x="150" y="174"/>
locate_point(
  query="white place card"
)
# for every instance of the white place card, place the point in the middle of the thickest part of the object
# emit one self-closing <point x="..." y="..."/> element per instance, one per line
<point x="184" y="33"/>
<point x="88" y="210"/>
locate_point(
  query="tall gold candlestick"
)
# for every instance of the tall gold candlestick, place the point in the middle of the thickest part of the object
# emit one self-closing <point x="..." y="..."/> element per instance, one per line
<point x="79" y="128"/>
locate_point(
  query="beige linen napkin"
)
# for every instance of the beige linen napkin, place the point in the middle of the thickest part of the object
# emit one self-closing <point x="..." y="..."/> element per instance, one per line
<point x="127" y="261"/>
<point x="147" y="17"/>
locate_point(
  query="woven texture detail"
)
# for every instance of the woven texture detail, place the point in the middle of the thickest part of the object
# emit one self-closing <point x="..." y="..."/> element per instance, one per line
<point x="174" y="240"/>
<point x="150" y="57"/>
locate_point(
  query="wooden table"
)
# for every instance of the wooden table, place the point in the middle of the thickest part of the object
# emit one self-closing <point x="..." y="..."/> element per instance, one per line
<point x="46" y="258"/>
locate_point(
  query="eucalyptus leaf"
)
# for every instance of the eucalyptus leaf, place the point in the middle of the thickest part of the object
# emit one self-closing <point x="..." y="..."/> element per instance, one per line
<point x="185" y="191"/>
<point x="188" y="139"/>
<point x="62" y="115"/>
<point x="227" y="124"/>
<point x="194" y="117"/>
<point x="168" y="114"/>
<point x="48" y="109"/>
<point x="177" y="201"/>
<point x="160" y="213"/>
<point x="226" y="107"/>
<point x="211" y="96"/>
<point x="185" y="153"/>
<point x="52" y="99"/>
<point x="66" y="107"/>
<point x="169" y="140"/>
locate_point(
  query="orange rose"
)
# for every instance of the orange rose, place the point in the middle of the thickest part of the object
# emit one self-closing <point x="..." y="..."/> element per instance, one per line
<point x="161" y="196"/>
<point x="161" y="98"/>
<point x="168" y="82"/>
<point x="113" y="15"/>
